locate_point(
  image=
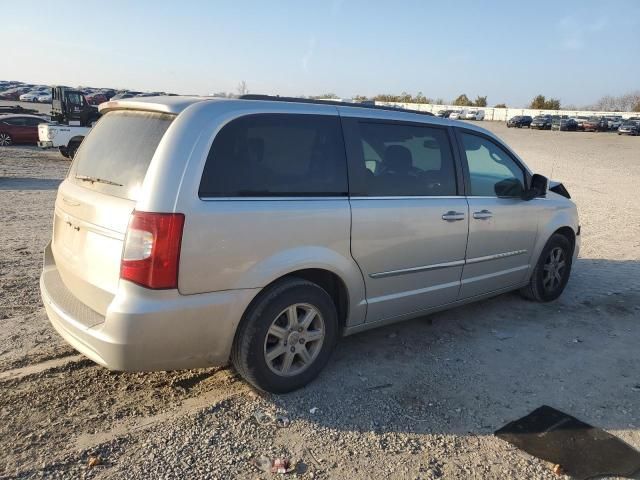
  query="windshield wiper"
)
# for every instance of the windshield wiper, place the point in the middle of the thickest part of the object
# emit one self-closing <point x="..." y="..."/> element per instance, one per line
<point x="87" y="178"/>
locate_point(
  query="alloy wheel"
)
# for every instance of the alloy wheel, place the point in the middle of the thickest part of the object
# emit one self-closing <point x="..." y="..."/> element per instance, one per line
<point x="5" y="139"/>
<point x="553" y="269"/>
<point x="294" y="339"/>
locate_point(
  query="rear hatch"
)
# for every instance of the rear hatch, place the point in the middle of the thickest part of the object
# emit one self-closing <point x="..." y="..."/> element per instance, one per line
<point x="96" y="199"/>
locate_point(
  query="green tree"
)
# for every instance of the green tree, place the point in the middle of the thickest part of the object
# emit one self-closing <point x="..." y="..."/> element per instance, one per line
<point x="552" y="104"/>
<point x="538" y="102"/>
<point x="327" y="95"/>
<point x="462" y="101"/>
<point x="500" y="105"/>
<point x="480" y="101"/>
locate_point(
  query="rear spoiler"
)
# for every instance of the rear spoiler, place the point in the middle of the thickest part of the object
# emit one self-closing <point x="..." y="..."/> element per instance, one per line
<point x="559" y="188"/>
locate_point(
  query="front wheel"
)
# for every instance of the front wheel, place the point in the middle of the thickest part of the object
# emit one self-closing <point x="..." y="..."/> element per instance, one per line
<point x="286" y="336"/>
<point x="551" y="273"/>
<point x="5" y="139"/>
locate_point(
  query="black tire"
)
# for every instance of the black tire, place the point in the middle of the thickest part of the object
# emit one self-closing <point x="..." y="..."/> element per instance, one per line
<point x="248" y="351"/>
<point x="63" y="152"/>
<point x="72" y="148"/>
<point x="540" y="288"/>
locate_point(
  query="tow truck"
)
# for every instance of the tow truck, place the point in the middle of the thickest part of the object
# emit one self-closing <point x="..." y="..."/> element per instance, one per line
<point x="71" y="119"/>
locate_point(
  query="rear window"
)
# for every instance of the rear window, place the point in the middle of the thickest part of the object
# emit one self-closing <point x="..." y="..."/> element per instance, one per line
<point x="114" y="157"/>
<point x="277" y="155"/>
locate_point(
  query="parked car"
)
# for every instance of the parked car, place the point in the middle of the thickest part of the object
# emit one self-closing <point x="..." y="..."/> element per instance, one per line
<point x="541" y="122"/>
<point x="123" y="95"/>
<point x="472" y="114"/>
<point x="13" y="93"/>
<point x="108" y="93"/>
<point x="629" y="127"/>
<point x="19" y="129"/>
<point x="95" y="98"/>
<point x="580" y="120"/>
<point x="455" y="114"/>
<point x="181" y="282"/>
<point x="444" y="113"/>
<point x="44" y="98"/>
<point x="596" y="124"/>
<point x="519" y="121"/>
<point x="31" y="96"/>
<point x="613" y="122"/>
<point x="564" y="124"/>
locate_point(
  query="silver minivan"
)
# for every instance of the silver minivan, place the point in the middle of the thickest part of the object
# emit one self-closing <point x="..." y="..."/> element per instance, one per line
<point x="191" y="232"/>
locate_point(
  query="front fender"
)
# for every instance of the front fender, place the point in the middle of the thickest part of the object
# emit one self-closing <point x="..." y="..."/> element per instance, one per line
<point x="556" y="214"/>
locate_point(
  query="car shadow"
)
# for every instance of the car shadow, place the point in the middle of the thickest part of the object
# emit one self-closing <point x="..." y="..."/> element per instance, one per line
<point x="472" y="369"/>
<point x="29" y="183"/>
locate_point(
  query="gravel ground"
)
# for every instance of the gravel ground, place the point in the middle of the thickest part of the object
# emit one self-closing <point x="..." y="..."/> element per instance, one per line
<point x="416" y="400"/>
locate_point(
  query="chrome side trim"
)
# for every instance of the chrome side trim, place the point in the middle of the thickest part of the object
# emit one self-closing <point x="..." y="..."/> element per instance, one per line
<point x="395" y="296"/>
<point x="273" y="199"/>
<point x="494" y="274"/>
<point x="496" y="256"/>
<point x="409" y="197"/>
<point x="436" y="266"/>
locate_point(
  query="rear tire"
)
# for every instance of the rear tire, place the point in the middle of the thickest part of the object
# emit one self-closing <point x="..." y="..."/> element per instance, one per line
<point x="63" y="152"/>
<point x="552" y="271"/>
<point x="273" y="349"/>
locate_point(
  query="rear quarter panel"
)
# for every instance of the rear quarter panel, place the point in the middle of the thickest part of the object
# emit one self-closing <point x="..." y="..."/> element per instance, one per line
<point x="231" y="244"/>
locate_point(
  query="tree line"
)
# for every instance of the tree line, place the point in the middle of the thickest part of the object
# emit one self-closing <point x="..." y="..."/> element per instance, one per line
<point x="629" y="102"/>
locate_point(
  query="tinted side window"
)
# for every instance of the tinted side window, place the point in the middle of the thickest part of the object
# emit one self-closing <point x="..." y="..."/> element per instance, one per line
<point x="405" y="160"/>
<point x="16" y="121"/>
<point x="492" y="171"/>
<point x="277" y="155"/>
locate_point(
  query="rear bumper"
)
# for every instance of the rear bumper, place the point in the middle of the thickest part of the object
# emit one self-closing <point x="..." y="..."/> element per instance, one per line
<point x="45" y="144"/>
<point x="146" y="330"/>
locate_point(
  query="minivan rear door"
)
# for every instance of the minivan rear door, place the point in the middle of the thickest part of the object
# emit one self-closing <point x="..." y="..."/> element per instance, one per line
<point x="409" y="222"/>
<point x="96" y="199"/>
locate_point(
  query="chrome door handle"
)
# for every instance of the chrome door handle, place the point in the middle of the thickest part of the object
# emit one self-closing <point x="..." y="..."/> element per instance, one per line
<point x="482" y="214"/>
<point x="452" y="216"/>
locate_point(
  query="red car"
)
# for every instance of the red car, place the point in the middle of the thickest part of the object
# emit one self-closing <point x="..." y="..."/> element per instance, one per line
<point x="16" y="129"/>
<point x="13" y="93"/>
<point x="596" y="124"/>
<point x="95" y="98"/>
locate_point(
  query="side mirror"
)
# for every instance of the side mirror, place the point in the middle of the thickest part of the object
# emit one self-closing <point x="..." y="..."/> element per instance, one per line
<point x="538" y="188"/>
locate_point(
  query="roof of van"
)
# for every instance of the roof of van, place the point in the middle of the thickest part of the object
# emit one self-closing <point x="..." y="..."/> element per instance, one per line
<point x="176" y="104"/>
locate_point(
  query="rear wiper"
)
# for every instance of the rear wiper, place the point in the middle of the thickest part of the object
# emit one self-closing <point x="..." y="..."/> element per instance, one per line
<point x="86" y="178"/>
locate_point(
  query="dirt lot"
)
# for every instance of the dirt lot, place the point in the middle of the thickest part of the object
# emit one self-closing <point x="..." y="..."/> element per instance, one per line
<point x="416" y="400"/>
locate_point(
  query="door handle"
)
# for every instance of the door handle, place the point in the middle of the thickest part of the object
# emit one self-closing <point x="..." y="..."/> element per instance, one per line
<point x="452" y="216"/>
<point x="482" y="214"/>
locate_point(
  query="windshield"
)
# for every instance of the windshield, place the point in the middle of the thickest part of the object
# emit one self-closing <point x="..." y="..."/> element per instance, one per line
<point x="114" y="157"/>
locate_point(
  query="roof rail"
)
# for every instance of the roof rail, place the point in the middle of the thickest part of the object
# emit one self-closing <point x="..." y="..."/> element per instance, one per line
<point x="277" y="98"/>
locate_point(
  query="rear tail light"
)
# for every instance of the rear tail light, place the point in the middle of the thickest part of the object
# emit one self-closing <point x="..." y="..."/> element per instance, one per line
<point x="151" y="252"/>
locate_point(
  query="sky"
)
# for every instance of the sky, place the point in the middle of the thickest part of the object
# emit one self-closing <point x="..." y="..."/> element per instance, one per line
<point x="510" y="51"/>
